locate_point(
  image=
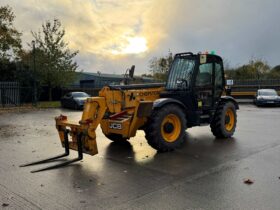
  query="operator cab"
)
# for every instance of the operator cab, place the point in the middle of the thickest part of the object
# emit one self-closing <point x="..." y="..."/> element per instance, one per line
<point x="197" y="81"/>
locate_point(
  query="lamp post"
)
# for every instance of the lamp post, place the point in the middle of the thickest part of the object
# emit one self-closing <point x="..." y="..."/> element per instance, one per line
<point x="99" y="80"/>
<point x="34" y="74"/>
<point x="33" y="45"/>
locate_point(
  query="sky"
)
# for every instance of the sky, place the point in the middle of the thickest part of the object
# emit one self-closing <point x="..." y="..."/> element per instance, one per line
<point x="112" y="35"/>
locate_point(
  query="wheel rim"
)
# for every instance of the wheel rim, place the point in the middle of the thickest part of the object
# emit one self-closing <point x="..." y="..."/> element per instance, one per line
<point x="171" y="128"/>
<point x="229" y="119"/>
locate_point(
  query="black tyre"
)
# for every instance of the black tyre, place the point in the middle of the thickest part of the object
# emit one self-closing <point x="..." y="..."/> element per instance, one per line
<point x="224" y="122"/>
<point x="165" y="130"/>
<point x="77" y="106"/>
<point x="116" y="137"/>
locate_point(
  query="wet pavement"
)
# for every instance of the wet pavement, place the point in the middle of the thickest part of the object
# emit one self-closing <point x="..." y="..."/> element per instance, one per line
<point x="205" y="173"/>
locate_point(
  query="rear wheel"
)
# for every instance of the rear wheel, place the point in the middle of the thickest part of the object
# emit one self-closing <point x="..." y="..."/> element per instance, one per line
<point x="165" y="130"/>
<point x="116" y="137"/>
<point x="224" y="122"/>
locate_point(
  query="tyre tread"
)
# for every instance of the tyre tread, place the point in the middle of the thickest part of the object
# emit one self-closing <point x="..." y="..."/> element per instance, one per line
<point x="152" y="131"/>
<point x="218" y="123"/>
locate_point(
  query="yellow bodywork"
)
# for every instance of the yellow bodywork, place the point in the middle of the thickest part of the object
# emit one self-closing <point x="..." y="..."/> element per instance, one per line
<point x="117" y="111"/>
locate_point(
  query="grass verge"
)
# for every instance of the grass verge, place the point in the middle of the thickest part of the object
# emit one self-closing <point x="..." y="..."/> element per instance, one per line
<point x="48" y="104"/>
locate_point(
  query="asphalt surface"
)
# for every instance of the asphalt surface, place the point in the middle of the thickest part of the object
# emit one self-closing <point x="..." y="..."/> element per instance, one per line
<point x="205" y="174"/>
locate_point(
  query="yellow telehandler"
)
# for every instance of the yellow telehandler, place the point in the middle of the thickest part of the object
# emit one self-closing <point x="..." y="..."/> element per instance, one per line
<point x="191" y="96"/>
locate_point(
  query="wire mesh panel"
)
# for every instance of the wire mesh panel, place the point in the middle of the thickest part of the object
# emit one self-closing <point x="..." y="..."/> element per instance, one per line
<point x="9" y="93"/>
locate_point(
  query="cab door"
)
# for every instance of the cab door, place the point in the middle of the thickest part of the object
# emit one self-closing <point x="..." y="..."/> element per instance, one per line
<point x="204" y="86"/>
<point x="219" y="82"/>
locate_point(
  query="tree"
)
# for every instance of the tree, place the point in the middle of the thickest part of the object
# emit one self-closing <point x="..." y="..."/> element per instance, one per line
<point x="260" y="67"/>
<point x="54" y="60"/>
<point x="10" y="42"/>
<point x="159" y="66"/>
<point x="146" y="75"/>
<point x="275" y="72"/>
<point x="255" y="69"/>
<point x="276" y="68"/>
<point x="7" y="70"/>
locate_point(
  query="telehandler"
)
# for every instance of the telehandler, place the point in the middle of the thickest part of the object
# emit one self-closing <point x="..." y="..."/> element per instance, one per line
<point x="191" y="96"/>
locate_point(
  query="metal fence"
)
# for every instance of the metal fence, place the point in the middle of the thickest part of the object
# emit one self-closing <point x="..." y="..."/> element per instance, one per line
<point x="254" y="85"/>
<point x="15" y="94"/>
<point x="255" y="82"/>
<point x="9" y="94"/>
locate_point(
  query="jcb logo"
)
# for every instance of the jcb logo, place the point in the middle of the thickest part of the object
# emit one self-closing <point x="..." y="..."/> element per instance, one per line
<point x="116" y="126"/>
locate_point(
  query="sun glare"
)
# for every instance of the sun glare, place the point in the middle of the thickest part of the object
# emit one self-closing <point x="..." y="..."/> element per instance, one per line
<point x="135" y="45"/>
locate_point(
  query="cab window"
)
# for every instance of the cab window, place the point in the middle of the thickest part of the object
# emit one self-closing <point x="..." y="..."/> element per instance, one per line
<point x="218" y="75"/>
<point x="204" y="76"/>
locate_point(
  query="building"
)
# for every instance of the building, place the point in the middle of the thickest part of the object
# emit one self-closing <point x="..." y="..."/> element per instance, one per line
<point x="98" y="80"/>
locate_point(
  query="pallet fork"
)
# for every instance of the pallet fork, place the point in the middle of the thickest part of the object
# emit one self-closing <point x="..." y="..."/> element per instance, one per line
<point x="66" y="153"/>
<point x="83" y="137"/>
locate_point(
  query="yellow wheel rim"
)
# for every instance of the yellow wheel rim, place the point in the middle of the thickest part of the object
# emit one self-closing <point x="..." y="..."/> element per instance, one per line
<point x="229" y="119"/>
<point x="171" y="128"/>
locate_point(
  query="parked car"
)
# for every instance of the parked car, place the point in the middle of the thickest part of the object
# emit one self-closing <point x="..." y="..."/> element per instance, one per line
<point x="267" y="97"/>
<point x="74" y="100"/>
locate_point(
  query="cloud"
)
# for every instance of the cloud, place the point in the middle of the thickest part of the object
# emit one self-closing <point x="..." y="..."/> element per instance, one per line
<point x="237" y="30"/>
<point x="96" y="28"/>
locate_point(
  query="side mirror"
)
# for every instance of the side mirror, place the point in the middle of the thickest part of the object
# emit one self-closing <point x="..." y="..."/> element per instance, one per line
<point x="180" y="83"/>
<point x="131" y="71"/>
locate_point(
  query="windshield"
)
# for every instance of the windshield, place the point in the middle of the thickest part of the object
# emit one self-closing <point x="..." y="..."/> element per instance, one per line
<point x="267" y="93"/>
<point x="181" y="70"/>
<point x="79" y="94"/>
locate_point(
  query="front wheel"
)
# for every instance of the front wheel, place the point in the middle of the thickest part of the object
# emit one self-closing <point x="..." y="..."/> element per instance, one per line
<point x="224" y="122"/>
<point x="166" y="127"/>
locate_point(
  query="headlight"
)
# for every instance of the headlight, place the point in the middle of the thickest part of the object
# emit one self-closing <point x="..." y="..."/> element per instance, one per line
<point x="260" y="98"/>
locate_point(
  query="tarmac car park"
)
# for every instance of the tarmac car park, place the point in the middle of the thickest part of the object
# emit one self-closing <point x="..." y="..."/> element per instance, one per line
<point x="206" y="173"/>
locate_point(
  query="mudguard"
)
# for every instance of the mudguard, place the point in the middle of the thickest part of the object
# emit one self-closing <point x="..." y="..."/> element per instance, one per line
<point x="163" y="101"/>
<point x="231" y="99"/>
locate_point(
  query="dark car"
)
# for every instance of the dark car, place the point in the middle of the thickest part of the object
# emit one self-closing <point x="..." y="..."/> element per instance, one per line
<point x="74" y="100"/>
<point x="267" y="97"/>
